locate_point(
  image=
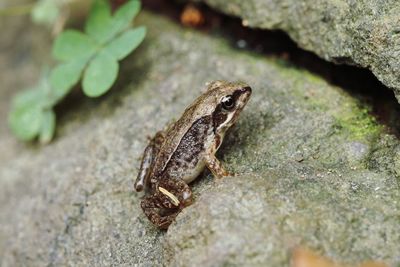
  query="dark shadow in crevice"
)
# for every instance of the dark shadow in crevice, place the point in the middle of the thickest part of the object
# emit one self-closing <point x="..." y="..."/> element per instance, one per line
<point x="360" y="83"/>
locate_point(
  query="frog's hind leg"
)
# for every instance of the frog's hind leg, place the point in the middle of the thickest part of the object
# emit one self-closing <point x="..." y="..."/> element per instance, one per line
<point x="170" y="197"/>
<point x="156" y="212"/>
<point x="149" y="156"/>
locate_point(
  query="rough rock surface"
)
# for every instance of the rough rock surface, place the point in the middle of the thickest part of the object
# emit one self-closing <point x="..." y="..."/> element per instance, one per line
<point x="362" y="32"/>
<point x="314" y="169"/>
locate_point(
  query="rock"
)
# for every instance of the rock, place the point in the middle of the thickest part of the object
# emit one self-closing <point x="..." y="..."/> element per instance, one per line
<point x="364" y="33"/>
<point x="314" y="169"/>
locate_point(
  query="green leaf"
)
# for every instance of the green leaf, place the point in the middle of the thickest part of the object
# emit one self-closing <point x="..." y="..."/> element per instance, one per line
<point x="124" y="44"/>
<point x="106" y="40"/>
<point x="25" y="121"/>
<point x="125" y="14"/>
<point x="100" y="74"/>
<point x="102" y="26"/>
<point x="48" y="126"/>
<point x="65" y="76"/>
<point x="99" y="23"/>
<point x="72" y="44"/>
<point x="45" y="12"/>
<point x="28" y="97"/>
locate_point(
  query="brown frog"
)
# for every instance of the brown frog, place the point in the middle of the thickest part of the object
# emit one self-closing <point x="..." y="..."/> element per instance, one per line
<point x="176" y="156"/>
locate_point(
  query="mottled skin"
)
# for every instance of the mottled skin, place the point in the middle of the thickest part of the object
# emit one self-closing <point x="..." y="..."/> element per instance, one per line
<point x="177" y="155"/>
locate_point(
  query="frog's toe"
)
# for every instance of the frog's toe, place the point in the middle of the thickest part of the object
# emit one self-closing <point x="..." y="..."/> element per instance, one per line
<point x="232" y="174"/>
<point x="165" y="222"/>
<point x="187" y="198"/>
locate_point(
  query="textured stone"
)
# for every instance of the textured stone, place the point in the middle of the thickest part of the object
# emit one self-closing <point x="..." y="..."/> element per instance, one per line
<point x="363" y="32"/>
<point x="314" y="169"/>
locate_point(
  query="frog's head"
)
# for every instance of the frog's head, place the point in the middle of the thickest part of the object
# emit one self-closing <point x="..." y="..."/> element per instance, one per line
<point x="229" y="100"/>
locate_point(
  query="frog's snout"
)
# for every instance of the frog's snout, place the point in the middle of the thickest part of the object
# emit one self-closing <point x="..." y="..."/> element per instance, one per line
<point x="246" y="89"/>
<point x="245" y="93"/>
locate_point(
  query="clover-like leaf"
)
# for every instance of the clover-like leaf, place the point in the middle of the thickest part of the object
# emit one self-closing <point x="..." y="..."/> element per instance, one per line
<point x="24" y="118"/>
<point x="65" y="76"/>
<point x="25" y="121"/>
<point x="99" y="23"/>
<point x="73" y="44"/>
<point x="124" y="44"/>
<point x="27" y="97"/>
<point x="45" y="11"/>
<point x="96" y="52"/>
<point x="124" y="15"/>
<point x="31" y="113"/>
<point x="102" y="26"/>
<point x="47" y="126"/>
<point x="100" y="74"/>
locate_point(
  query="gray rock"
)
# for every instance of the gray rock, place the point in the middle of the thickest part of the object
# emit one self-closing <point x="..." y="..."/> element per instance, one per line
<point x="363" y="32"/>
<point x="314" y="169"/>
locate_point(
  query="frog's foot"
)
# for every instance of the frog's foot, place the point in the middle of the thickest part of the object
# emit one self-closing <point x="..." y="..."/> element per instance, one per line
<point x="171" y="196"/>
<point x="215" y="166"/>
<point x="175" y="191"/>
<point x="155" y="210"/>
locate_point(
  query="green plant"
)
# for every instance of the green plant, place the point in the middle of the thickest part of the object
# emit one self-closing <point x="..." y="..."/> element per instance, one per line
<point x="46" y="11"/>
<point x="92" y="55"/>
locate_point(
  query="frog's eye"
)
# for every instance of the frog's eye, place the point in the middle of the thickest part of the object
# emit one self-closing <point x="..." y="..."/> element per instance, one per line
<point x="227" y="102"/>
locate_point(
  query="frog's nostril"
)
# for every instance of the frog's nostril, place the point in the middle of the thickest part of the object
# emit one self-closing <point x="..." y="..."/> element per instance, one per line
<point x="246" y="89"/>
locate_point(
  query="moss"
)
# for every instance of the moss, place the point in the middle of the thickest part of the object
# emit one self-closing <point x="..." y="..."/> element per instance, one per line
<point x="353" y="116"/>
<point x="359" y="123"/>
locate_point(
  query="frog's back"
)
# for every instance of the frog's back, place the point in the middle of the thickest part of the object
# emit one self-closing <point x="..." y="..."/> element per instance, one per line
<point x="184" y="146"/>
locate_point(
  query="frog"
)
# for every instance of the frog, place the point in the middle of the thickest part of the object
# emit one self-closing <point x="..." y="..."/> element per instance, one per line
<point x="178" y="154"/>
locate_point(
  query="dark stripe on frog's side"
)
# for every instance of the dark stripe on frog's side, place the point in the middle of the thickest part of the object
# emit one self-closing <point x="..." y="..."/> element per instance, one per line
<point x="188" y="152"/>
<point x="219" y="117"/>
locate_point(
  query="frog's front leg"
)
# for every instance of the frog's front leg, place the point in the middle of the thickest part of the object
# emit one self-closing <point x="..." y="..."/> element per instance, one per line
<point x="149" y="155"/>
<point x="170" y="197"/>
<point x="215" y="166"/>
